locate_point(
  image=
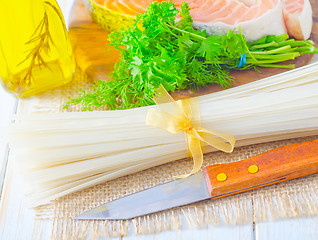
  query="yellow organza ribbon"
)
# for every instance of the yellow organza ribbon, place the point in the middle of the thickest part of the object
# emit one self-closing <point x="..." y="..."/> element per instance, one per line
<point x="183" y="115"/>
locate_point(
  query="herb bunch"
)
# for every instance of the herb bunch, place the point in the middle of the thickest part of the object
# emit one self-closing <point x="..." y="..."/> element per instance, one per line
<point x="157" y="49"/>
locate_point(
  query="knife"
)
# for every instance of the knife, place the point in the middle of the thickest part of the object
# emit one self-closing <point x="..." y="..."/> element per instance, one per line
<point x="216" y="181"/>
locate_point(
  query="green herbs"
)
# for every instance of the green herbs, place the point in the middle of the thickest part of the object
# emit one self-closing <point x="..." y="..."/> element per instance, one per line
<point x="269" y="50"/>
<point x="172" y="53"/>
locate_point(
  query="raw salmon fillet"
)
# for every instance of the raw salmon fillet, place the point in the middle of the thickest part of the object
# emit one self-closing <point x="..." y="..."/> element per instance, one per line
<point x="298" y="18"/>
<point x="257" y="18"/>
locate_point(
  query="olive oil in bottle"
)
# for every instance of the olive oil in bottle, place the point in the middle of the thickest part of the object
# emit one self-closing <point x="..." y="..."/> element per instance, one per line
<point x="35" y="51"/>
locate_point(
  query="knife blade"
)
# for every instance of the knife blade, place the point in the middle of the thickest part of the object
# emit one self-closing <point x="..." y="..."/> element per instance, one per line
<point x="215" y="181"/>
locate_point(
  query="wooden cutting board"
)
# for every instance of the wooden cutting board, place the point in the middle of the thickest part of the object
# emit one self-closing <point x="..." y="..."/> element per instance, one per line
<point x="97" y="59"/>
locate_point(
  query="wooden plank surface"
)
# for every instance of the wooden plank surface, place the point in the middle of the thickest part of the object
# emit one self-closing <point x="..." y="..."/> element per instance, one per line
<point x="288" y="229"/>
<point x="244" y="232"/>
<point x="7" y="108"/>
<point x="17" y="220"/>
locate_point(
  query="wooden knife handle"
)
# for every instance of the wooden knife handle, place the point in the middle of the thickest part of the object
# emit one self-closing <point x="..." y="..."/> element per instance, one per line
<point x="277" y="165"/>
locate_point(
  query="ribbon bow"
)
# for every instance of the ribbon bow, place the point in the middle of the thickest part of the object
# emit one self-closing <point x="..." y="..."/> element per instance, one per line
<point x="186" y="117"/>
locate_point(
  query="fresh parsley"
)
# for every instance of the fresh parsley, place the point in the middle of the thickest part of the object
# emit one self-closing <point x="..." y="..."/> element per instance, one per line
<point x="160" y="49"/>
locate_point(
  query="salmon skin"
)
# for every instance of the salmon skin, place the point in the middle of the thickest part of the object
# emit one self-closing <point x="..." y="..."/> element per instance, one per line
<point x="257" y="18"/>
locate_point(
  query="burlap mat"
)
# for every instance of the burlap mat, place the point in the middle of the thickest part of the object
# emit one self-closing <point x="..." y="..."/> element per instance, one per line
<point x="285" y="200"/>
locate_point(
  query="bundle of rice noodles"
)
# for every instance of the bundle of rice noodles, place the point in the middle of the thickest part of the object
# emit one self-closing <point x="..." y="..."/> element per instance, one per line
<point x="65" y="152"/>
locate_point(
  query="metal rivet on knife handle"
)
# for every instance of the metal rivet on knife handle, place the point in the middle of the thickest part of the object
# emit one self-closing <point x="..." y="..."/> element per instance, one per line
<point x="277" y="165"/>
<point x="221" y="177"/>
<point x="253" y="169"/>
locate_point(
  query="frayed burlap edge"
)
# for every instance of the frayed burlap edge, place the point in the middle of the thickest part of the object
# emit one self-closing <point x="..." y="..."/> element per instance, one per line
<point x="290" y="199"/>
<point x="255" y="206"/>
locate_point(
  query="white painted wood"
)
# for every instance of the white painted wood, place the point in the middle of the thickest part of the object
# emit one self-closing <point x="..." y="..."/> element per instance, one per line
<point x="240" y="232"/>
<point x="7" y="109"/>
<point x="288" y="229"/>
<point x="17" y="223"/>
<point x="16" y="220"/>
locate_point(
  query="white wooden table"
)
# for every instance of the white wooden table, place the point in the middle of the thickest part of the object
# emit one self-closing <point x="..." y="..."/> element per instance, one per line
<point x="17" y="220"/>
